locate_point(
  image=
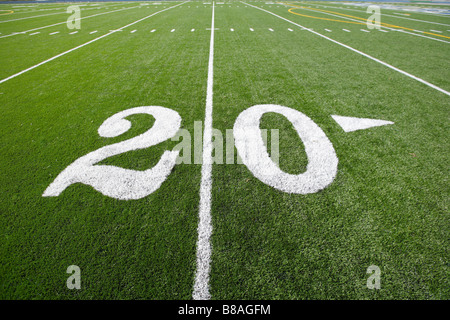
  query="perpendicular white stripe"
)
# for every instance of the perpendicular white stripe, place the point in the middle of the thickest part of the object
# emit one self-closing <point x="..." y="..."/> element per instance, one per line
<point x="359" y="52"/>
<point x="24" y="18"/>
<point x="201" y="285"/>
<point x="394" y="29"/>
<point x="56" y="24"/>
<point x="42" y="15"/>
<point x="388" y="15"/>
<point x="38" y="16"/>
<point x="84" y="44"/>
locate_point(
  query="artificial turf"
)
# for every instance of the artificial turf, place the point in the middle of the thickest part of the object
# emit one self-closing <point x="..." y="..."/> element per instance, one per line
<point x="388" y="205"/>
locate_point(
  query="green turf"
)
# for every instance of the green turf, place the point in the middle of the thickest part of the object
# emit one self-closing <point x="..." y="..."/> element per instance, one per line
<point x="388" y="205"/>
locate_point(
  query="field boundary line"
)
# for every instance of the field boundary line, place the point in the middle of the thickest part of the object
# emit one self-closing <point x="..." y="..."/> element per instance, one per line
<point x="44" y="15"/>
<point x="357" y="51"/>
<point x="384" y="25"/>
<point x="24" y="18"/>
<point x="85" y="44"/>
<point x="201" y="285"/>
<point x="57" y="24"/>
<point x="384" y="14"/>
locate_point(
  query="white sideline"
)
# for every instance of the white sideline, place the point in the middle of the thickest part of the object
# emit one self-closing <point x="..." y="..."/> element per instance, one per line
<point x="393" y="29"/>
<point x="24" y="18"/>
<point x="85" y="44"/>
<point x="56" y="24"/>
<point x="42" y="15"/>
<point x="201" y="285"/>
<point x="387" y="15"/>
<point x="359" y="52"/>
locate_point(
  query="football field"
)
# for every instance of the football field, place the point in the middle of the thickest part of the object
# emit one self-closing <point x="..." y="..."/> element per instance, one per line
<point x="224" y="150"/>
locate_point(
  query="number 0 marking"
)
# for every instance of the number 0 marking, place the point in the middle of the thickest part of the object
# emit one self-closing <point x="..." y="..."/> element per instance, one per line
<point x="116" y="182"/>
<point x="322" y="161"/>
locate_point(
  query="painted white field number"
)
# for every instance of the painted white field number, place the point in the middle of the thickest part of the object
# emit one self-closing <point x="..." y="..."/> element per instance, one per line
<point x="116" y="182"/>
<point x="322" y="161"/>
<point x="126" y="184"/>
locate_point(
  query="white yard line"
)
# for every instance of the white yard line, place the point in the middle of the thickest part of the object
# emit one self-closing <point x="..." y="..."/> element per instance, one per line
<point x="42" y="15"/>
<point x="24" y="18"/>
<point x="393" y="29"/>
<point x="85" y="44"/>
<point x="389" y="15"/>
<point x="201" y="285"/>
<point x="358" y="52"/>
<point x="56" y="24"/>
<point x="62" y="8"/>
<point x="419" y="35"/>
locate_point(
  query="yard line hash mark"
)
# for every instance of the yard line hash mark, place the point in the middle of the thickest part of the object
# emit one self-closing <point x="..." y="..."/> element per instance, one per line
<point x="84" y="44"/>
<point x="358" y="52"/>
<point x="355" y="20"/>
<point x="56" y="24"/>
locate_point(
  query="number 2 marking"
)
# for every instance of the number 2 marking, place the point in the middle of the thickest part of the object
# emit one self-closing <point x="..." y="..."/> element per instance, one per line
<point x="116" y="182"/>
